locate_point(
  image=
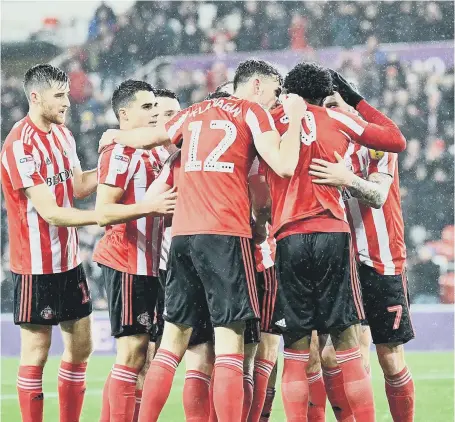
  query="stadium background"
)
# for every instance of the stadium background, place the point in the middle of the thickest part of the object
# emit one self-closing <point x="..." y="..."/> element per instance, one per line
<point x="399" y="53"/>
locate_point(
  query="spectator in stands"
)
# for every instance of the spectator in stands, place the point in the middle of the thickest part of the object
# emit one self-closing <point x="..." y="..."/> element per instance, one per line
<point x="104" y="15"/>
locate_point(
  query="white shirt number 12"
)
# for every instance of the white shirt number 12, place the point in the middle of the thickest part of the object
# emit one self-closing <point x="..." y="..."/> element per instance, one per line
<point x="211" y="163"/>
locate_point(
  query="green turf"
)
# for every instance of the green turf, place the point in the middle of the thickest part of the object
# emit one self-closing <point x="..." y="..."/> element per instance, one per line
<point x="432" y="373"/>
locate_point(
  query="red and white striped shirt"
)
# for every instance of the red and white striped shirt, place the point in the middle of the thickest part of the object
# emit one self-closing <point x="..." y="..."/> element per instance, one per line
<point x="132" y="247"/>
<point x="378" y="234"/>
<point x="31" y="157"/>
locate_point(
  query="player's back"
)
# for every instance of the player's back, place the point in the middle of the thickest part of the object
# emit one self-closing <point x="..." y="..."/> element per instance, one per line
<point x="324" y="132"/>
<point x="217" y="153"/>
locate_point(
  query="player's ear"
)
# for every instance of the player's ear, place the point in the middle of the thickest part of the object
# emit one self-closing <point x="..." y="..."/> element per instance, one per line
<point x="35" y="97"/>
<point x="257" y="86"/>
<point x="122" y="113"/>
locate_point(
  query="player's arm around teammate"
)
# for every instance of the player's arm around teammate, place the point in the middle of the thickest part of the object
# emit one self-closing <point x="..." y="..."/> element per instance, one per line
<point x="129" y="251"/>
<point x="38" y="164"/>
<point x="380" y="275"/>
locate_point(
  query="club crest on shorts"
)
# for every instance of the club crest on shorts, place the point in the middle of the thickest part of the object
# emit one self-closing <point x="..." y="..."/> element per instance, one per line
<point x="145" y="320"/>
<point x="47" y="313"/>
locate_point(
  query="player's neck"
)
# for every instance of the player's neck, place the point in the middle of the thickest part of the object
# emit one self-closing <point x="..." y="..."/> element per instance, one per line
<point x="39" y="121"/>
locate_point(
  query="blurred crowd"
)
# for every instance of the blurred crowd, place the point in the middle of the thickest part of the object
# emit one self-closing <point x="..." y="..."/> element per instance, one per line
<point x="420" y="101"/>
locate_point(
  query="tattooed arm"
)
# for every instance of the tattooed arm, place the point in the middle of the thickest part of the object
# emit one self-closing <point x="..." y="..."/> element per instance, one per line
<point x="372" y="192"/>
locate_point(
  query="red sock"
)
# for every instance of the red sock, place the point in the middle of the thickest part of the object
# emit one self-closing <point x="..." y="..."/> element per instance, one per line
<point x="30" y="391"/>
<point x="262" y="370"/>
<point x="196" y="401"/>
<point x="212" y="417"/>
<point x="248" y="388"/>
<point x="228" y="387"/>
<point x="138" y="405"/>
<point x="158" y="384"/>
<point x="294" y="385"/>
<point x="357" y="384"/>
<point x="122" y="393"/>
<point x="268" y="403"/>
<point x="334" y="387"/>
<point x="399" y="389"/>
<point x="71" y="390"/>
<point x="105" y="407"/>
<point x="317" y="397"/>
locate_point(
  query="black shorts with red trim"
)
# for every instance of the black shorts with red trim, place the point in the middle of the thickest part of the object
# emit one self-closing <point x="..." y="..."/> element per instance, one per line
<point x="131" y="300"/>
<point x="386" y="304"/>
<point x="315" y="288"/>
<point x="267" y="289"/>
<point x="210" y="278"/>
<point x="48" y="299"/>
<point x="158" y="321"/>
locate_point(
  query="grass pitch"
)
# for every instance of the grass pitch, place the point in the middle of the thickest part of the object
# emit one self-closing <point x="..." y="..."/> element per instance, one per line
<point x="433" y="375"/>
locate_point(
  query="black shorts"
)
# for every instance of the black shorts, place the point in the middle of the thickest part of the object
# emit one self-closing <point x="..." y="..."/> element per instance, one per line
<point x="131" y="300"/>
<point x="315" y="287"/>
<point x="386" y="304"/>
<point x="201" y="334"/>
<point x="48" y="299"/>
<point x="252" y="334"/>
<point x="267" y="290"/>
<point x="158" y="321"/>
<point x="210" y="277"/>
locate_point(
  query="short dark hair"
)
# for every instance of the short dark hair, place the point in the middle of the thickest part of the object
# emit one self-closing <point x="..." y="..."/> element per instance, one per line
<point x="310" y="81"/>
<point x="42" y="75"/>
<point x="217" y="94"/>
<point x="220" y="87"/>
<point x="126" y="92"/>
<point x="167" y="93"/>
<point x="247" y="69"/>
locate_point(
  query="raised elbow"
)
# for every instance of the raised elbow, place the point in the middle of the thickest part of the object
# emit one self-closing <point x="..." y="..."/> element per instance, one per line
<point x="401" y="143"/>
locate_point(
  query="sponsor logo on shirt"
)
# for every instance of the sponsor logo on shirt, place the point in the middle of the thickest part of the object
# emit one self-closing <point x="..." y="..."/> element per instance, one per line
<point x="61" y="177"/>
<point x="121" y="163"/>
<point x="26" y="159"/>
<point x="27" y="165"/>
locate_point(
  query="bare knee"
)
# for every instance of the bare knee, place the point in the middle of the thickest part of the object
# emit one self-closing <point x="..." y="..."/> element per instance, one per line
<point x="391" y="358"/>
<point x="268" y="347"/>
<point x="314" y="362"/>
<point x="248" y="361"/>
<point x="176" y="338"/>
<point x="229" y="339"/>
<point x="77" y="339"/>
<point x="35" y="344"/>
<point x="200" y="358"/>
<point x="346" y="339"/>
<point x="132" y="350"/>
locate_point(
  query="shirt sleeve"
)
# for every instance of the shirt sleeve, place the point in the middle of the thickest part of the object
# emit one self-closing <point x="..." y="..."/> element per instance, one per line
<point x="381" y="162"/>
<point x="281" y="120"/>
<point x="353" y="126"/>
<point x="116" y="166"/>
<point x="259" y="120"/>
<point x="23" y="164"/>
<point x="175" y="125"/>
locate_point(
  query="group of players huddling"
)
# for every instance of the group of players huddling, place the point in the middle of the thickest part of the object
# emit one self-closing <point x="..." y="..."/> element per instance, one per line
<point x="283" y="197"/>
